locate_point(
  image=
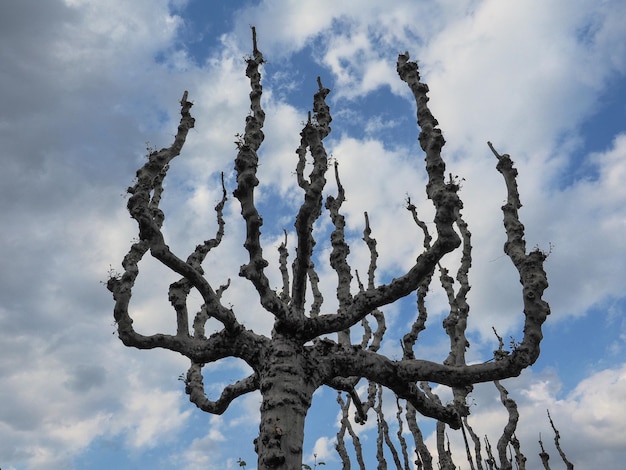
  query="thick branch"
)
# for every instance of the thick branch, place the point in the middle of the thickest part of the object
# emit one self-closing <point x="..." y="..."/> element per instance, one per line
<point x="353" y="361"/>
<point x="400" y="376"/>
<point x="347" y="385"/>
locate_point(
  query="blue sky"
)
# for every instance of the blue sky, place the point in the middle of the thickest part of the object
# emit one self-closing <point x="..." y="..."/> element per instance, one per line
<point x="86" y="86"/>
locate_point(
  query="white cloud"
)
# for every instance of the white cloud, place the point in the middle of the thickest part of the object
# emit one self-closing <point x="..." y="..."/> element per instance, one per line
<point x="323" y="451"/>
<point x="596" y="398"/>
<point x="144" y="419"/>
<point x="203" y="452"/>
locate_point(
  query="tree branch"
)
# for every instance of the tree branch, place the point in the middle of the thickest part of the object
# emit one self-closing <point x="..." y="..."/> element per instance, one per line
<point x="347" y="426"/>
<point x="476" y="441"/>
<point x="194" y="387"/>
<point x="557" y="443"/>
<point x="179" y="291"/>
<point x="543" y="455"/>
<point x="283" y="254"/>
<point x="143" y="206"/>
<point x="246" y="164"/>
<point x="400" y="435"/>
<point x="447" y="204"/>
<point x="508" y="433"/>
<point x="312" y="135"/>
<point x="424" y="459"/>
<point x="383" y="432"/>
<point x="339" y="255"/>
<point x="401" y="376"/>
<point x="530" y="266"/>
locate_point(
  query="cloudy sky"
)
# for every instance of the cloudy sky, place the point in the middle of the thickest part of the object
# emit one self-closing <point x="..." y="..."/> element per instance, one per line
<point x="87" y="86"/>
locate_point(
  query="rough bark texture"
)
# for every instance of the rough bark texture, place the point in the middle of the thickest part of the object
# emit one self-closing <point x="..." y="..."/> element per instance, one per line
<point x="291" y="364"/>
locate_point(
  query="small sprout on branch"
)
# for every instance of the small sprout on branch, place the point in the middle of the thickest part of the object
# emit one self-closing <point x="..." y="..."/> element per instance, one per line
<point x="150" y="149"/>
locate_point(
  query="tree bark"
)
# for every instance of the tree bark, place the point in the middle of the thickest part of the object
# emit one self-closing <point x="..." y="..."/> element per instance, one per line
<point x="287" y="382"/>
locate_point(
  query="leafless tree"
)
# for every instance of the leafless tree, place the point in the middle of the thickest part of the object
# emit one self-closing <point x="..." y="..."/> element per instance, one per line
<point x="301" y="355"/>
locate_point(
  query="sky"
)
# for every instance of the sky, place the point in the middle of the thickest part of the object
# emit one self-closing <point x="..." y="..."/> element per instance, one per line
<point x="88" y="86"/>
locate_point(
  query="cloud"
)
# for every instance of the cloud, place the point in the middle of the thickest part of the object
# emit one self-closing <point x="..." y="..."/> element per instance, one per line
<point x="87" y="84"/>
<point x="204" y="453"/>
<point x="144" y="420"/>
<point x="323" y="451"/>
<point x="596" y="397"/>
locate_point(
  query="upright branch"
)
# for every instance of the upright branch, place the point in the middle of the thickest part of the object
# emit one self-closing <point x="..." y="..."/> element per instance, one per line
<point x="347" y="426"/>
<point x="490" y="461"/>
<point x="444" y="195"/>
<point x="383" y="434"/>
<point x="423" y="457"/>
<point x="180" y="290"/>
<point x="311" y="137"/>
<point x="339" y="254"/>
<point x="530" y="267"/>
<point x="543" y="455"/>
<point x="246" y="165"/>
<point x="283" y="254"/>
<point x="557" y="442"/>
<point x="400" y="434"/>
<point x="477" y="447"/>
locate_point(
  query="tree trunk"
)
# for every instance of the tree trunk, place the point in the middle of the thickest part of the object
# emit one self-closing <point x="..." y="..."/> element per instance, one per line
<point x="287" y="383"/>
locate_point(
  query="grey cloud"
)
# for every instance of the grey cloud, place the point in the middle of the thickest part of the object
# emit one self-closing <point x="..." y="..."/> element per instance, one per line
<point x="85" y="377"/>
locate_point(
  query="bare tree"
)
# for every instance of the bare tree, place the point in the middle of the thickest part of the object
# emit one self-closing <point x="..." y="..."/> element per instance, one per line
<point x="300" y="356"/>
